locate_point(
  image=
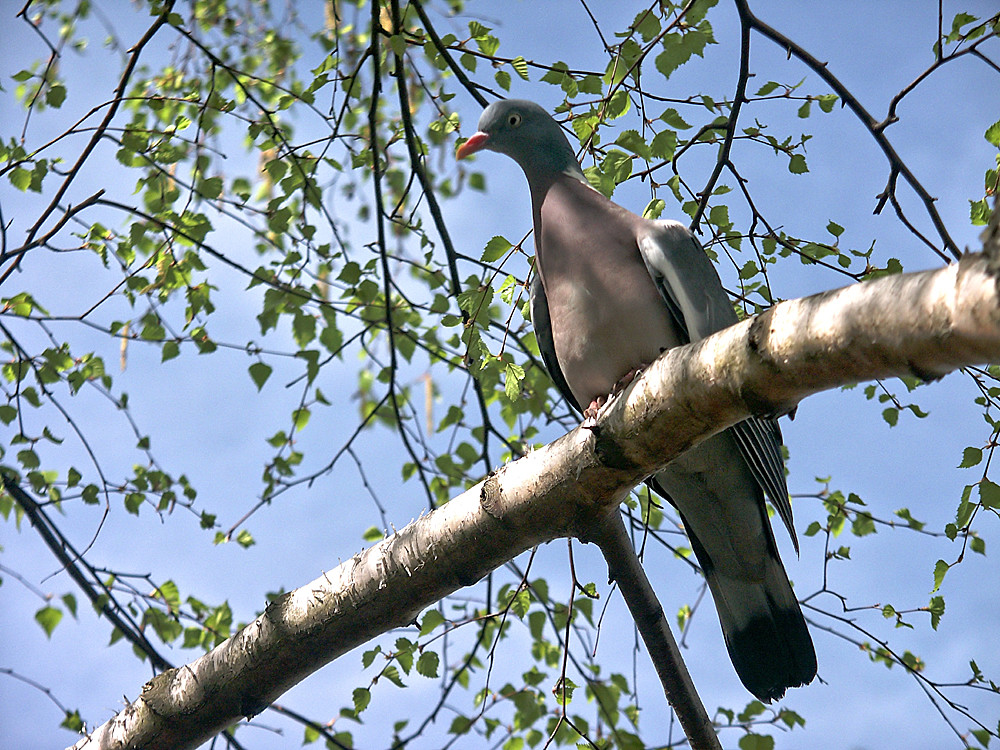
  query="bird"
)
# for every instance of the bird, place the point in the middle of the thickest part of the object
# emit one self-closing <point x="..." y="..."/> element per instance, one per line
<point x="611" y="292"/>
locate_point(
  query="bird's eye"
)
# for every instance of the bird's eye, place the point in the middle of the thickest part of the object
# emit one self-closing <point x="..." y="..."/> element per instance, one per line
<point x="514" y="119"/>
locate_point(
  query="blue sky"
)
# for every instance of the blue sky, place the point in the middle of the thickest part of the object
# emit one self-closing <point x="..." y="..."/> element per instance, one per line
<point x="212" y="426"/>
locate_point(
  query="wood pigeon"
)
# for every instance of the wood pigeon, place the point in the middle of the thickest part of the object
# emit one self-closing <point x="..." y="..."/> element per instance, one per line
<point x="612" y="292"/>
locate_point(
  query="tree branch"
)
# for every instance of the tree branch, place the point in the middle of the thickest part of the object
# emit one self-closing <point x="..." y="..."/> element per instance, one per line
<point x="926" y="323"/>
<point x="116" y="101"/>
<point x="443" y="51"/>
<point x="624" y="568"/>
<point x="739" y="98"/>
<point x="896" y="163"/>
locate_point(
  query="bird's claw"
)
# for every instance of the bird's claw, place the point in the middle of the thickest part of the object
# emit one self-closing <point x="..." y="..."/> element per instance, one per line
<point x="590" y="413"/>
<point x="626" y="380"/>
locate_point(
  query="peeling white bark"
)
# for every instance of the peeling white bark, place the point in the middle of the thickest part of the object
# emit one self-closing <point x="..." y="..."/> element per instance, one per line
<point x="926" y="323"/>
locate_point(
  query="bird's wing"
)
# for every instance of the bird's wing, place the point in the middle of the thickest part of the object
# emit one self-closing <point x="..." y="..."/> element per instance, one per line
<point x="693" y="293"/>
<point x="542" y="324"/>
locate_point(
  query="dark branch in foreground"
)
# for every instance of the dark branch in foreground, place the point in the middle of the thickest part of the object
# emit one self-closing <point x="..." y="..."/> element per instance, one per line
<point x="625" y="569"/>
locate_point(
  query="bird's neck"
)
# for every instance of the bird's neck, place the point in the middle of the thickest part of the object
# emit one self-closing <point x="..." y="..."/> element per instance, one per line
<point x="540" y="182"/>
<point x="572" y="214"/>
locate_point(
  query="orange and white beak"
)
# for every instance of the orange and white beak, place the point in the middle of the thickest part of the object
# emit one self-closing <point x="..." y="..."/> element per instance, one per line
<point x="477" y="142"/>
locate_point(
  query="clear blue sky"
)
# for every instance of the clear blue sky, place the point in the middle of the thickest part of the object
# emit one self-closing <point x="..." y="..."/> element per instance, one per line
<point x="212" y="426"/>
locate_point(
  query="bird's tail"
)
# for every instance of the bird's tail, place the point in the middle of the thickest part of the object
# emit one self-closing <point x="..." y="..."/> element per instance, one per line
<point x="765" y="632"/>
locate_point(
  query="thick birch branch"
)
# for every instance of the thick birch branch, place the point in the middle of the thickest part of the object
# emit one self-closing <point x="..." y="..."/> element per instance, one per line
<point x="927" y="323"/>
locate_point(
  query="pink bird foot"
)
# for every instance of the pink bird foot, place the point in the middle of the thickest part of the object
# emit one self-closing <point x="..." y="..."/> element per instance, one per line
<point x="590" y="413"/>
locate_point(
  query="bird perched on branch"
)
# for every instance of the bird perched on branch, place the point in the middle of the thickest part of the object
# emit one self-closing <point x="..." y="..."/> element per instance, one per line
<point x="612" y="292"/>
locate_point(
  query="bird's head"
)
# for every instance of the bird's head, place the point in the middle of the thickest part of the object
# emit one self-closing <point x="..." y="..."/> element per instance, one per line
<point x="526" y="133"/>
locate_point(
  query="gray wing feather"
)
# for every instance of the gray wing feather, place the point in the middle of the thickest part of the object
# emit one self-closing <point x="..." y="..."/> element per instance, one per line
<point x="693" y="293"/>
<point x="760" y="443"/>
<point x="542" y="324"/>
<point x="686" y="278"/>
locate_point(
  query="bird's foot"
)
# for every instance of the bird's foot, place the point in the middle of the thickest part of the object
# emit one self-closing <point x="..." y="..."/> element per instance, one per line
<point x="590" y="413"/>
<point x="626" y="380"/>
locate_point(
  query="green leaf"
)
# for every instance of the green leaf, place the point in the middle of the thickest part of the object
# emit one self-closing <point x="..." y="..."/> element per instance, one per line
<point x="70" y="601"/>
<point x="28" y="459"/>
<point x="826" y="102"/>
<point x="756" y="742"/>
<point x="513" y="375"/>
<point x="210" y="188"/>
<point x="673" y="118"/>
<point x="647" y="24"/>
<point x="432" y="618"/>
<point x="936" y="608"/>
<point x="797" y="164"/>
<point x="404" y="653"/>
<point x="749" y="270"/>
<point x="520" y="66"/>
<point x="992" y="134"/>
<point x="971" y="457"/>
<point x="719" y="216"/>
<point x="373" y="534"/>
<point x="72" y="721"/>
<point x="556" y="74"/>
<point x="133" y="501"/>
<point x="56" y="95"/>
<point x="392" y="674"/>
<point x="170" y="594"/>
<point x="300" y="418"/>
<point x="495" y="249"/>
<point x="427" y="664"/>
<point x="979" y="212"/>
<point x="303" y="329"/>
<point x="397" y="43"/>
<point x="520" y="603"/>
<point x="989" y="494"/>
<point x="48" y="617"/>
<point x="960" y="20"/>
<point x="912" y="522"/>
<point x="753" y="708"/>
<point x="362" y="697"/>
<point x="940" y="569"/>
<point x="170" y="350"/>
<point x="863" y="525"/>
<point x="488" y="44"/>
<point x="654" y="208"/>
<point x="460" y="725"/>
<point x="20" y="178"/>
<point x="664" y="144"/>
<point x="260" y="372"/>
<point x="630" y="140"/>
<point x="678" y="48"/>
<point x="619" y="105"/>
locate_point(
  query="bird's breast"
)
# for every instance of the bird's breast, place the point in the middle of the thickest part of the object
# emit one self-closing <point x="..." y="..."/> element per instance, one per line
<point x="607" y="319"/>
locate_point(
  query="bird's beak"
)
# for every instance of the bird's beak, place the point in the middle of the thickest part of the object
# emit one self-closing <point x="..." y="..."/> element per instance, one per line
<point x="476" y="143"/>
